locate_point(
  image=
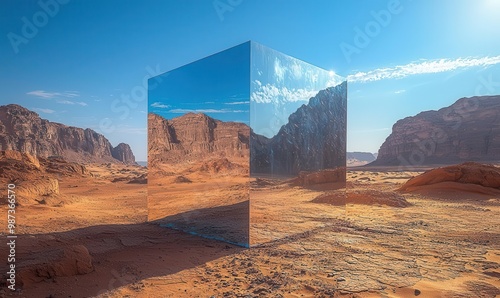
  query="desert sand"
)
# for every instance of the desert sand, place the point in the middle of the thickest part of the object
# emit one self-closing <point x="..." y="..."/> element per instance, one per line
<point x="209" y="198"/>
<point x="382" y="242"/>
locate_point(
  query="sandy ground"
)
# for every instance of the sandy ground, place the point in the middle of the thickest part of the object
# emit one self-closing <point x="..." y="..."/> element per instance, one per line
<point x="282" y="211"/>
<point x="88" y="201"/>
<point x="439" y="245"/>
<point x="204" y="198"/>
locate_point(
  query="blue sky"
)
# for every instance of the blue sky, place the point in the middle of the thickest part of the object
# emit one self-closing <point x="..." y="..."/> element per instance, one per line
<point x="87" y="63"/>
<point x="217" y="85"/>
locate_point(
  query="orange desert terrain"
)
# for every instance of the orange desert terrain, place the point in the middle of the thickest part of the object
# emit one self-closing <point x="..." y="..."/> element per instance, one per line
<point x="429" y="237"/>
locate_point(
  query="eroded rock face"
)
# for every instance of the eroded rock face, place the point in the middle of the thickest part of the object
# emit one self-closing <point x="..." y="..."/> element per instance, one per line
<point x="36" y="189"/>
<point x="466" y="173"/>
<point x="24" y="158"/>
<point x="313" y="139"/>
<point x="70" y="261"/>
<point x="194" y="137"/>
<point x="306" y="179"/>
<point x="23" y="130"/>
<point x="468" y="130"/>
<point x="123" y="153"/>
<point x="36" y="179"/>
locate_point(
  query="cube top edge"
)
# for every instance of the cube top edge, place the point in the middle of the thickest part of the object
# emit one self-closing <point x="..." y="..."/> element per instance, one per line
<point x="253" y="45"/>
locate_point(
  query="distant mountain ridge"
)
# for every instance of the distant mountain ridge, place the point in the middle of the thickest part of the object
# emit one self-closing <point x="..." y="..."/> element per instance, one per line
<point x="359" y="158"/>
<point x="468" y="130"/>
<point x="23" y="130"/>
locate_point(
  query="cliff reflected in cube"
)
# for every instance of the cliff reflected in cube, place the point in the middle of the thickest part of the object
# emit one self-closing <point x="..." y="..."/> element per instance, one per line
<point x="198" y="147"/>
<point x="242" y="145"/>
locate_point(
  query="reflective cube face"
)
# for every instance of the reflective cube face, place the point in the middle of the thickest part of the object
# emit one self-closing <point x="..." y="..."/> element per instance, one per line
<point x="297" y="145"/>
<point x="241" y="142"/>
<point x="198" y="147"/>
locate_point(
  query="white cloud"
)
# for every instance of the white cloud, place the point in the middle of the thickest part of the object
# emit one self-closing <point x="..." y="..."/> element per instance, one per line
<point x="400" y="91"/>
<point x="271" y="94"/>
<point x="46" y="94"/>
<point x="46" y="111"/>
<point x="312" y="76"/>
<point x="55" y="95"/>
<point x="422" y="67"/>
<point x="237" y="103"/>
<point x="69" y="102"/>
<point x="160" y="105"/>
<point x="70" y="94"/>
<point x="279" y="71"/>
<point x="183" y="111"/>
<point x="296" y="70"/>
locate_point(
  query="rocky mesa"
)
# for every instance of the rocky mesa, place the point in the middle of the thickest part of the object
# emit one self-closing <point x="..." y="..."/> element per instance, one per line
<point x="24" y="131"/>
<point x="194" y="137"/>
<point x="468" y="130"/>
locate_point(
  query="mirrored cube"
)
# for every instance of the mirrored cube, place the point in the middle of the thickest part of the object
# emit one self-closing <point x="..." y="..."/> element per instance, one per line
<point x="242" y="143"/>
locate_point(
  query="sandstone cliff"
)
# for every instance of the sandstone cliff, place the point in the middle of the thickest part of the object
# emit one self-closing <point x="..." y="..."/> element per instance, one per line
<point x="24" y="131"/>
<point x="468" y="130"/>
<point x="193" y="137"/>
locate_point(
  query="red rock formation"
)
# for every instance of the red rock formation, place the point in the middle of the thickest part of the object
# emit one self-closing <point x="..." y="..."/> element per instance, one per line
<point x="34" y="177"/>
<point x="123" y="153"/>
<point x="69" y="261"/>
<point x="23" y="130"/>
<point x="320" y="177"/>
<point x="193" y="137"/>
<point x="468" y="130"/>
<point x="467" y="173"/>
